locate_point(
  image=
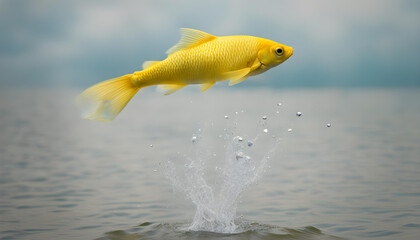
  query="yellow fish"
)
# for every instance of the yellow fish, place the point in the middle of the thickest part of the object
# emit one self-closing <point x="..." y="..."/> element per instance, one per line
<point x="198" y="58"/>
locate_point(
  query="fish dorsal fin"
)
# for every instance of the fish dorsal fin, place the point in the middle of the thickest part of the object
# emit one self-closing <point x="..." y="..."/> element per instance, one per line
<point x="189" y="38"/>
<point x="148" y="64"/>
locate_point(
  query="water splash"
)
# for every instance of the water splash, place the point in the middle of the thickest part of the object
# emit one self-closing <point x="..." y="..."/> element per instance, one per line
<point x="215" y="182"/>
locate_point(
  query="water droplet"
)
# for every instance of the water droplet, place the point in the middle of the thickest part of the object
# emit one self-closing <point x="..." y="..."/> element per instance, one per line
<point x="238" y="138"/>
<point x="236" y="113"/>
<point x="194" y="139"/>
<point x="289" y="130"/>
<point x="154" y="170"/>
<point x="250" y="143"/>
<point x="277" y="112"/>
<point x="151" y="145"/>
<point x="239" y="155"/>
<point x="265" y="130"/>
<point x="279" y="104"/>
<point x="328" y="125"/>
<point x="226" y="117"/>
<point x="298" y="114"/>
<point x="264" y="117"/>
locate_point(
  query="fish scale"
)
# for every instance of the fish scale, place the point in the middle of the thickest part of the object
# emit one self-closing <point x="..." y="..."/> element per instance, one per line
<point x="226" y="54"/>
<point x="198" y="58"/>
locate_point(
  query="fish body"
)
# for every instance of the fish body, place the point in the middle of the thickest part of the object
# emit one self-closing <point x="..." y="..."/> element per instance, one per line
<point x="198" y="58"/>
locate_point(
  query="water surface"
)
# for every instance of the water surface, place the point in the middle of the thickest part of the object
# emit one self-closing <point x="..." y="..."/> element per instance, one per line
<point x="64" y="178"/>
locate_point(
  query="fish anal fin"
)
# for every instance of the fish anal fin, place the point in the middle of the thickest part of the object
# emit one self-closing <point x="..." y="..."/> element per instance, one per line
<point x="206" y="85"/>
<point x="170" y="88"/>
<point x="189" y="38"/>
<point x="148" y="64"/>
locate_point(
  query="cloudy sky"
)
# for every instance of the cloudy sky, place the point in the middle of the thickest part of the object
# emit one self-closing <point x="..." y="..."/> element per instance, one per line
<point x="337" y="43"/>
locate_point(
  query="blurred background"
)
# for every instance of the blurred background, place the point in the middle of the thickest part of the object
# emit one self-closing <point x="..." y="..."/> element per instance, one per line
<point x="337" y="43"/>
<point x="348" y="165"/>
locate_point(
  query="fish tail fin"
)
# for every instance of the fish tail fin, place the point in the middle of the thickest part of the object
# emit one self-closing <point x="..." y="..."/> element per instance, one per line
<point x="105" y="100"/>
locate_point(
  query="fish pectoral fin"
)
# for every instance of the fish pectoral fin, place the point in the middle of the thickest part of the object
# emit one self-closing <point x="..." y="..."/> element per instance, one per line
<point x="255" y="65"/>
<point x="170" y="88"/>
<point x="236" y="76"/>
<point x="148" y="64"/>
<point x="207" y="85"/>
<point x="189" y="38"/>
<point x="233" y="82"/>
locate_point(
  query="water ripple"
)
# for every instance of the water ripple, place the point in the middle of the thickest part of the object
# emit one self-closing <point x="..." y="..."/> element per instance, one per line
<point x="149" y="230"/>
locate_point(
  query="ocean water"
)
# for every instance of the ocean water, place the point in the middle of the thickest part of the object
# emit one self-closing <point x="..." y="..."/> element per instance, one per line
<point x="180" y="166"/>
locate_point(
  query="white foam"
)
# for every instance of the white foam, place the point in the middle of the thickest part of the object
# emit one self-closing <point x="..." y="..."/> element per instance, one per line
<point x="215" y="185"/>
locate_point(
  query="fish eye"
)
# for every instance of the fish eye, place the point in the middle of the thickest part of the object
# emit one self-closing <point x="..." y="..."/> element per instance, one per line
<point x="279" y="51"/>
